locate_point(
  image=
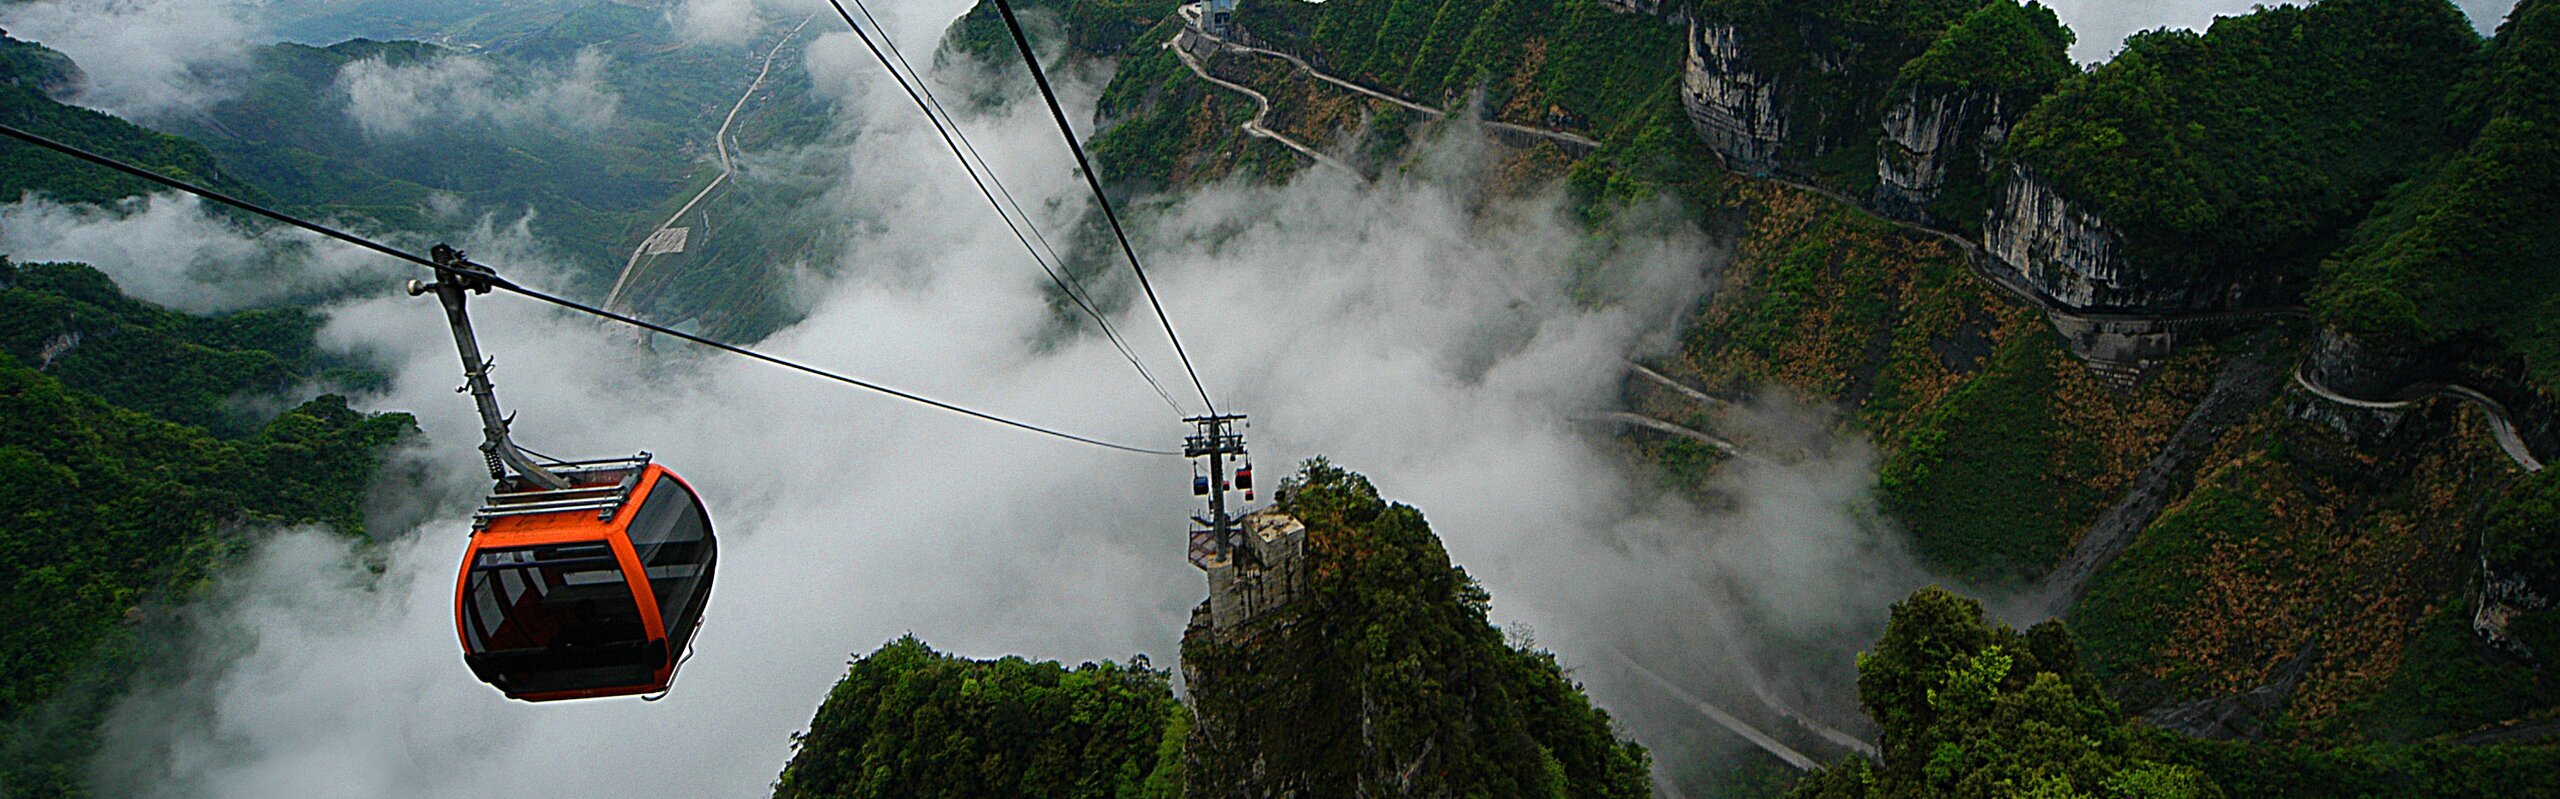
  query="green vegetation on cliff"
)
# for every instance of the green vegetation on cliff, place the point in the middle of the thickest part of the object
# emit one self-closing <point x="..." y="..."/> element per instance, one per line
<point x="1835" y="62"/>
<point x="908" y="721"/>
<point x="2004" y="48"/>
<point x="2255" y="145"/>
<point x="1972" y="708"/>
<point x="107" y="509"/>
<point x="74" y="323"/>
<point x="2465" y="256"/>
<point x="1384" y="678"/>
<point x="1999" y="61"/>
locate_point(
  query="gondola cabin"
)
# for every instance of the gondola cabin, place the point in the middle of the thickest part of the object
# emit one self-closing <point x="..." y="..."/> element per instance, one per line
<point x="590" y="590"/>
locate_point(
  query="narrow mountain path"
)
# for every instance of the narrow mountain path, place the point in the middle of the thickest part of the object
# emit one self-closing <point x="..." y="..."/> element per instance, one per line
<point x="2502" y="426"/>
<point x="613" y="299"/>
<point x="1729" y="721"/>
<point x="1303" y="66"/>
<point x="1262" y="105"/>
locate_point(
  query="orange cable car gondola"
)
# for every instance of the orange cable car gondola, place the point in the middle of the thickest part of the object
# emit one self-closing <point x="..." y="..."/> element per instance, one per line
<point x="583" y="579"/>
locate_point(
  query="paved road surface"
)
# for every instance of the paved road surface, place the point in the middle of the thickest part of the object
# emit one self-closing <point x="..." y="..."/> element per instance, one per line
<point x="614" y="300"/>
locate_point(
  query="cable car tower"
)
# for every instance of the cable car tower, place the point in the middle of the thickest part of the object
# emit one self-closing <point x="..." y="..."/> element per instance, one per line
<point x="1214" y="542"/>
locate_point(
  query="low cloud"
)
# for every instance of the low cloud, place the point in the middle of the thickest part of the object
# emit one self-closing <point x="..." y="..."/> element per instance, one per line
<point x="146" y="59"/>
<point x="387" y="100"/>
<point x="170" y="250"/>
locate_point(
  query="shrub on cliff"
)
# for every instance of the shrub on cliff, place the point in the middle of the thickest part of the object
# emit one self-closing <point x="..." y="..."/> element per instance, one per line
<point x="2003" y="48"/>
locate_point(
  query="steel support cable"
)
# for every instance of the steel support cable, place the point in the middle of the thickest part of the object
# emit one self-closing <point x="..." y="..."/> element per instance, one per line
<point x="503" y="284"/>
<point x="1093" y="180"/>
<point x="972" y="147"/>
<point x="930" y="107"/>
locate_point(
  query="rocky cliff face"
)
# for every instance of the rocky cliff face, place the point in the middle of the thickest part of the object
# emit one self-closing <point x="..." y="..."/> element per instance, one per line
<point x="1928" y="136"/>
<point x="2077" y="258"/>
<point x="2353" y="367"/>
<point x="1379" y="676"/>
<point x="2058" y="247"/>
<point x="1735" y="108"/>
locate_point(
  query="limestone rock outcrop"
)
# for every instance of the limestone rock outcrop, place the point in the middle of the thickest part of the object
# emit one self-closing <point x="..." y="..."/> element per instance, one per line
<point x="1930" y="136"/>
<point x="2057" y="247"/>
<point x="2079" y="260"/>
<point x="1734" y="107"/>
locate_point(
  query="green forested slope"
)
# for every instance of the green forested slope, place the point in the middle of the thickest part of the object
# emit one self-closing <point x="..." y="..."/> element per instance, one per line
<point x="2255" y="145"/>
<point x="106" y="510"/>
<point x="2466" y="256"/>
<point x="1972" y="708"/>
<point x="1573" y="59"/>
<point x="908" y="721"/>
<point x="73" y="321"/>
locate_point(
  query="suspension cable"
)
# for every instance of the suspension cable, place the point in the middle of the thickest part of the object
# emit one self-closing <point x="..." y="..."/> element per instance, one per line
<point x="1093" y="180"/>
<point x="957" y="140"/>
<point x="509" y="286"/>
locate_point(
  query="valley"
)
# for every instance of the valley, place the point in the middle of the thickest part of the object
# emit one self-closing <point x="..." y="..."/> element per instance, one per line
<point x="1837" y="399"/>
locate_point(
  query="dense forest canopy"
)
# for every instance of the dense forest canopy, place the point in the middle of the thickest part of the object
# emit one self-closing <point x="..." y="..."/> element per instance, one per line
<point x="908" y="721"/>
<point x="1973" y="708"/>
<point x="2016" y="51"/>
<point x="115" y="498"/>
<point x="2466" y="255"/>
<point x="2259" y="142"/>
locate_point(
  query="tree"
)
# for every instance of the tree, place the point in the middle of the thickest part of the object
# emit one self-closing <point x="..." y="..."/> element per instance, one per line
<point x="1971" y="708"/>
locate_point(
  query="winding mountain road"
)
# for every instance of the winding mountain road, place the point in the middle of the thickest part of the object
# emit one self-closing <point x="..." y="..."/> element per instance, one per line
<point x="1769" y="744"/>
<point x="614" y="299"/>
<point x="1673" y="428"/>
<point x="1700" y="397"/>
<point x="1262" y="104"/>
<point x="2501" y="426"/>
<point x="1303" y="66"/>
<point x="1191" y="31"/>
